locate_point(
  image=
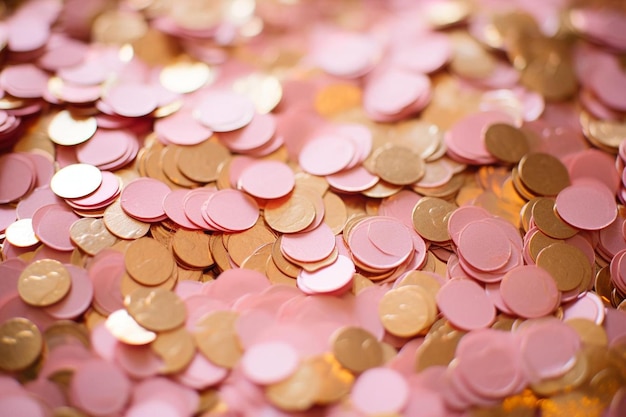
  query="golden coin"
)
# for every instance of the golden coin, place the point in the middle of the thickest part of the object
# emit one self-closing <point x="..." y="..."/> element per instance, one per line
<point x="430" y="218"/>
<point x="128" y="284"/>
<point x="127" y="330"/>
<point x="506" y="142"/>
<point x="184" y="274"/>
<point x="336" y="381"/>
<point x="67" y="129"/>
<point x="450" y="188"/>
<point x="20" y="233"/>
<point x="91" y="235"/>
<point x="543" y="174"/>
<point x="169" y="165"/>
<point x="572" y="379"/>
<point x="356" y="349"/>
<point x="437" y="350"/>
<point x="567" y="264"/>
<point x="276" y="276"/>
<point x="148" y="261"/>
<point x="186" y="76"/>
<point x="603" y="285"/>
<point x="257" y="261"/>
<point x="21" y="344"/>
<point x="382" y="189"/>
<point x="217" y="339"/>
<point x="308" y="183"/>
<point x="360" y="282"/>
<point x="192" y="248"/>
<point x="117" y="27"/>
<point x="44" y="282"/>
<point x="546" y="220"/>
<point x="421" y="279"/>
<point x="608" y="133"/>
<point x="176" y="348"/>
<point x="406" y="311"/>
<point x="290" y="214"/>
<point x="537" y="242"/>
<point x="398" y="165"/>
<point x="242" y="245"/>
<point x="202" y="162"/>
<point x="220" y="255"/>
<point x="335" y="212"/>
<point x="156" y="309"/>
<point x="298" y="392"/>
<point x="314" y="266"/>
<point x="121" y="224"/>
<point x="264" y="90"/>
<point x="335" y="99"/>
<point x="470" y="59"/>
<point x="590" y="333"/>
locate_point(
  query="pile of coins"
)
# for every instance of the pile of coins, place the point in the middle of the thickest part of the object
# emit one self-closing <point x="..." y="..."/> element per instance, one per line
<point x="365" y="208"/>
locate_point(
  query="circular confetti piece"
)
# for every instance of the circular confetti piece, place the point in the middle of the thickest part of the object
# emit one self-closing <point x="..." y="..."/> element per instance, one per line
<point x="16" y="177"/>
<point x="44" y="282"/>
<point x="67" y="129"/>
<point x="78" y="299"/>
<point x="76" y="181"/>
<point x="484" y="246"/>
<point x="267" y="179"/>
<point x="465" y="304"/>
<point x="100" y="387"/>
<point x="311" y="246"/>
<point x="156" y="309"/>
<point x="380" y="391"/>
<point x="270" y="362"/>
<point x="256" y="134"/>
<point x="586" y="205"/>
<point x="356" y="349"/>
<point x="21" y="233"/>
<point x="407" y="310"/>
<point x="126" y="329"/>
<point x="143" y="199"/>
<point x="131" y="100"/>
<point x="20" y="345"/>
<point x="232" y="210"/>
<point x="529" y="291"/>
<point x="330" y="278"/>
<point x="326" y="155"/>
<point x="224" y="111"/>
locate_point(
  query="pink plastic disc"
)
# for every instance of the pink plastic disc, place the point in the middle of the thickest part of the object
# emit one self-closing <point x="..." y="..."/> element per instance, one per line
<point x="330" y="278"/>
<point x="104" y="147"/>
<point x="484" y="246"/>
<point x="100" y="387"/>
<point x="223" y="111"/>
<point x="256" y="134"/>
<point x="311" y="246"/>
<point x="380" y="391"/>
<point x="465" y="304"/>
<point x="325" y="155"/>
<point x="17" y="176"/>
<point x="132" y="100"/>
<point x="143" y="199"/>
<point x="587" y="205"/>
<point x="232" y="210"/>
<point x="269" y="362"/>
<point x="529" y="291"/>
<point x="267" y="179"/>
<point x="77" y="300"/>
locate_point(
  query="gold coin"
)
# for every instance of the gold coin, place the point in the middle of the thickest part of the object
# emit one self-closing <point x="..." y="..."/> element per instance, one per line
<point x="176" y="348"/>
<point x="192" y="248"/>
<point x="437" y="350"/>
<point x="382" y="189"/>
<point x="220" y="255"/>
<point x="44" y="282"/>
<point x="66" y="331"/>
<point x="356" y="349"/>
<point x="590" y="333"/>
<point x="421" y="279"/>
<point x="202" y="162"/>
<point x="67" y="129"/>
<point x="335" y="99"/>
<point x="148" y="261"/>
<point x="290" y="214"/>
<point x="546" y="220"/>
<point x="538" y="241"/>
<point x="430" y="218"/>
<point x="603" y="285"/>
<point x="567" y="264"/>
<point x="217" y="339"/>
<point x="336" y="381"/>
<point x="121" y="224"/>
<point x="506" y="142"/>
<point x="572" y="379"/>
<point x="118" y="27"/>
<point x="276" y="276"/>
<point x="264" y="90"/>
<point x="257" y="261"/>
<point x="186" y="76"/>
<point x="298" y="392"/>
<point x="543" y="174"/>
<point x="156" y="309"/>
<point x="242" y="245"/>
<point x="335" y="212"/>
<point x="91" y="235"/>
<point x="21" y="344"/>
<point x="398" y="165"/>
<point x="406" y="311"/>
<point x="169" y="164"/>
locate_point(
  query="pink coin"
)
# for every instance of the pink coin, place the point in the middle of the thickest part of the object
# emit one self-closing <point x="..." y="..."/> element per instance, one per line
<point x="24" y="81"/>
<point x="232" y="210"/>
<point x="39" y="197"/>
<point x="529" y="291"/>
<point x="594" y="164"/>
<point x="429" y="53"/>
<point x="311" y="246"/>
<point x="104" y="147"/>
<point x="52" y="226"/>
<point x="153" y="407"/>
<point x="62" y="51"/>
<point x="488" y="361"/>
<point x="589" y="306"/>
<point x="393" y="90"/>
<point x="386" y="245"/>
<point x="201" y="373"/>
<point x="143" y="199"/>
<point x="182" y="128"/>
<point x="235" y="283"/>
<point x="223" y="111"/>
<point x="193" y="206"/>
<point x="352" y="180"/>
<point x="607" y="81"/>
<point x="269" y="362"/>
<point x="184" y="399"/>
<point x="346" y="54"/>
<point x="380" y="391"/>
<point x="77" y="300"/>
<point x="484" y="246"/>
<point x="267" y="179"/>
<point x="100" y="388"/>
<point x="131" y="100"/>
<point x="325" y="155"/>
<point x="465" y="304"/>
<point x="174" y="208"/>
<point x="463" y="216"/>
<point x="108" y="190"/>
<point x="549" y="349"/>
<point x="330" y="278"/>
<point x="256" y="134"/>
<point x="587" y="205"/>
<point x="17" y="176"/>
<point x="8" y="215"/>
<point x="137" y="362"/>
<point x="22" y="405"/>
<point x="44" y="167"/>
<point x="27" y="33"/>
